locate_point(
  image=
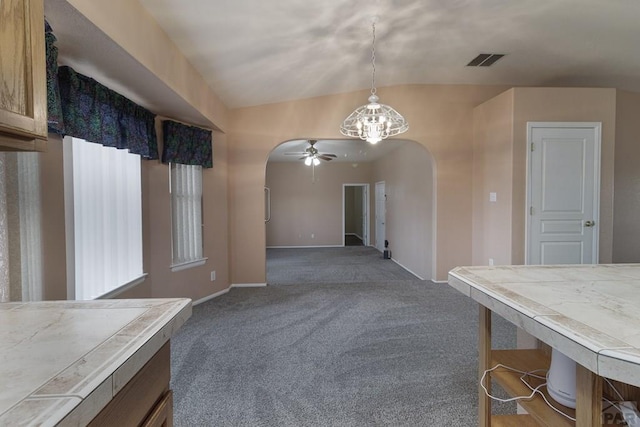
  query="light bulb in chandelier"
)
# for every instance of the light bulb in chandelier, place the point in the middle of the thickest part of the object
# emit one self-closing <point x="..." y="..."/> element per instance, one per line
<point x="374" y="121"/>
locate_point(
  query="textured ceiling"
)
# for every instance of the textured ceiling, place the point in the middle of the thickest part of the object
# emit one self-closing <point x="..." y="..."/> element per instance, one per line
<point x="254" y="52"/>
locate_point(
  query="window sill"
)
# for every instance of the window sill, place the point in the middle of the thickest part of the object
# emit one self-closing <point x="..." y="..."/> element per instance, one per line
<point x="189" y="264"/>
<point x="117" y="291"/>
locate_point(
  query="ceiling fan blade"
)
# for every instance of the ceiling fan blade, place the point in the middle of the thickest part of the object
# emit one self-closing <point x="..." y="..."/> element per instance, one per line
<point x="295" y="154"/>
<point x="323" y="157"/>
<point x="329" y="155"/>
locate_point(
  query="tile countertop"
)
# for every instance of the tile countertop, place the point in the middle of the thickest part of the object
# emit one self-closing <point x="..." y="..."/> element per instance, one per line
<point x="591" y="313"/>
<point x="61" y="362"/>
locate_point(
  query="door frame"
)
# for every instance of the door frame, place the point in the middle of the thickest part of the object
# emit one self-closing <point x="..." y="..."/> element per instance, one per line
<point x="597" y="129"/>
<point x="365" y="213"/>
<point x="375" y="207"/>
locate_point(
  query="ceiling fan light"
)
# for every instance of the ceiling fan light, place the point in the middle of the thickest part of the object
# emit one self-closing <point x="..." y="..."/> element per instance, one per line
<point x="307" y="161"/>
<point x="316" y="161"/>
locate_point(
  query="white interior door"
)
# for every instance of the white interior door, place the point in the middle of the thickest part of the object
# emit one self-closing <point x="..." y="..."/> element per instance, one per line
<point x="564" y="188"/>
<point x="381" y="212"/>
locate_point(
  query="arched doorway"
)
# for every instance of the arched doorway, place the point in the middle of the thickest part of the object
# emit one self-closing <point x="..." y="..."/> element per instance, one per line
<point x="306" y="202"/>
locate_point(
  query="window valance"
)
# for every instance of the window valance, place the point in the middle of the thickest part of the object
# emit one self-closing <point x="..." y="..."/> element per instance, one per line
<point x="186" y="145"/>
<point x="96" y="113"/>
<point x="54" y="107"/>
<point x="81" y="107"/>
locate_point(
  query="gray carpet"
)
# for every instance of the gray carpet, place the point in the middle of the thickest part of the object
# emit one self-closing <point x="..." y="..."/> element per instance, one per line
<point x="396" y="352"/>
<point x="350" y="264"/>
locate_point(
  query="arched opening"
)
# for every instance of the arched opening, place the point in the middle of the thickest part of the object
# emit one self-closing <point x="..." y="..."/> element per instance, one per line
<point x="306" y="203"/>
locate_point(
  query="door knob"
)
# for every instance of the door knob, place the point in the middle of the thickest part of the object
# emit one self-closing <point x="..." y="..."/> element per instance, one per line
<point x="589" y="223"/>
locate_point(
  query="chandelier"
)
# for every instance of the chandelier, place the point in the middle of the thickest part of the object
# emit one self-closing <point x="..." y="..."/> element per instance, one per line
<point x="375" y="121"/>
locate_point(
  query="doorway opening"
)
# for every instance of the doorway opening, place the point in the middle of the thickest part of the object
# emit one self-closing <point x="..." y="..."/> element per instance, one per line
<point x="309" y="214"/>
<point x="355" y="214"/>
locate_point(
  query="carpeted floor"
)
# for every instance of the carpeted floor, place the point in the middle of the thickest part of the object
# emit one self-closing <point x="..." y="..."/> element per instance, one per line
<point x="350" y="264"/>
<point x="388" y="352"/>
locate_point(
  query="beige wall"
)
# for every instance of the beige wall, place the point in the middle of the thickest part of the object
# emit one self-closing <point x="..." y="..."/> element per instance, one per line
<point x="440" y="119"/>
<point x="54" y="257"/>
<point x="301" y="206"/>
<point x="408" y="174"/>
<point x="626" y="229"/>
<point x="492" y="173"/>
<point x="494" y="148"/>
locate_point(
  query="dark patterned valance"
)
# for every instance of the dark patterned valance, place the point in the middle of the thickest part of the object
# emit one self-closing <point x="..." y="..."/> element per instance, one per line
<point x="187" y="145"/>
<point x="94" y="112"/>
<point x="54" y="108"/>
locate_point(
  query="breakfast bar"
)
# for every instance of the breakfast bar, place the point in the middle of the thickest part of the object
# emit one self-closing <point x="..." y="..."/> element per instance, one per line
<point x="102" y="362"/>
<point x="590" y="313"/>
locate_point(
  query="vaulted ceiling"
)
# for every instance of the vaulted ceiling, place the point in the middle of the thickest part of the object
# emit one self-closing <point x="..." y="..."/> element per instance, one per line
<point x="255" y="52"/>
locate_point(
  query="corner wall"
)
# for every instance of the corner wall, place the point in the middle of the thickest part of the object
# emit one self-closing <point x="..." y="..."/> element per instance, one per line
<point x="492" y="173"/>
<point x="500" y="161"/>
<point x="408" y="173"/>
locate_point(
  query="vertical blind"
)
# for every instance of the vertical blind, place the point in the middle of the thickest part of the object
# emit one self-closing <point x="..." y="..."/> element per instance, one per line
<point x="30" y="225"/>
<point x="186" y="213"/>
<point x="103" y="201"/>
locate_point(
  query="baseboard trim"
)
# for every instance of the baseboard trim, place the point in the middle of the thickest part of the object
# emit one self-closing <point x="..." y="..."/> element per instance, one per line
<point x="248" y="285"/>
<point x="440" y="282"/>
<point x="304" y="247"/>
<point x="210" y="297"/>
<point x="393" y="259"/>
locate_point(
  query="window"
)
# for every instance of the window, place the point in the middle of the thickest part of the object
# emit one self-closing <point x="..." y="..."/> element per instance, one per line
<point x="186" y="216"/>
<point x="103" y="204"/>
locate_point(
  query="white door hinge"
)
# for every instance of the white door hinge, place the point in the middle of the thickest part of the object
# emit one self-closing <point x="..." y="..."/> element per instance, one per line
<point x="531" y="210"/>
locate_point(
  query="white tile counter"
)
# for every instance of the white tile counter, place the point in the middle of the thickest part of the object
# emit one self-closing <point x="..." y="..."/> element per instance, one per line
<point x="591" y="313"/>
<point x="61" y="362"/>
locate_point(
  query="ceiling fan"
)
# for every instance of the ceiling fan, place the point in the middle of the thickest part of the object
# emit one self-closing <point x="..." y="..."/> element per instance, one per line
<point x="311" y="155"/>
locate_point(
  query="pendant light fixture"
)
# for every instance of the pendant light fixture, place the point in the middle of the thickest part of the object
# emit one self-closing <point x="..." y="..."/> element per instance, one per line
<point x="374" y="121"/>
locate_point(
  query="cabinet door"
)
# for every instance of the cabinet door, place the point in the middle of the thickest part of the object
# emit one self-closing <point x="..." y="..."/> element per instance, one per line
<point x="23" y="90"/>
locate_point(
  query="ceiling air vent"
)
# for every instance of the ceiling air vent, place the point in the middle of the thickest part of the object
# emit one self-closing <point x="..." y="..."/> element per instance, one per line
<point x="485" y="60"/>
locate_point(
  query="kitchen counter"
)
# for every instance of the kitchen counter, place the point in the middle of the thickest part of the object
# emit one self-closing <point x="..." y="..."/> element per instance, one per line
<point x="62" y="362"/>
<point x="588" y="312"/>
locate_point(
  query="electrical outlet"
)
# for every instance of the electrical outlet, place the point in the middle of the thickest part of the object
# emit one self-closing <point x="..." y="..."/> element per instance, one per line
<point x="490" y="261"/>
<point x="313" y="236"/>
<point x="213" y="275"/>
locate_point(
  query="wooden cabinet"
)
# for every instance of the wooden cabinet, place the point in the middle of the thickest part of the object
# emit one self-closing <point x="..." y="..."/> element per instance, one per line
<point x="145" y="400"/>
<point x="23" y="88"/>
